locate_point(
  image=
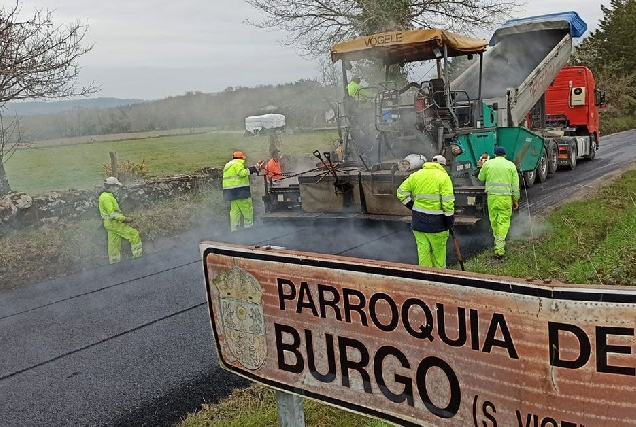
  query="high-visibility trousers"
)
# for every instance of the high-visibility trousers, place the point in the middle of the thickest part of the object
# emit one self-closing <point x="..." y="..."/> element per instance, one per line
<point x="431" y="248"/>
<point x="241" y="207"/>
<point x="500" y="213"/>
<point x="116" y="231"/>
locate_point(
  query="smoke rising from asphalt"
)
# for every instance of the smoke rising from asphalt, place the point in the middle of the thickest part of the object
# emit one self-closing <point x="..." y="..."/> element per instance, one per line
<point x="525" y="226"/>
<point x="378" y="240"/>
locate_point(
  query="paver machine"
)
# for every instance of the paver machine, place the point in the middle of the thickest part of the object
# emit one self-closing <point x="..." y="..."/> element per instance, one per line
<point x="388" y="137"/>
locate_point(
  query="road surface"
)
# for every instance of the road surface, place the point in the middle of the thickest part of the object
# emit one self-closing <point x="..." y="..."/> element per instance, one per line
<point x="131" y="344"/>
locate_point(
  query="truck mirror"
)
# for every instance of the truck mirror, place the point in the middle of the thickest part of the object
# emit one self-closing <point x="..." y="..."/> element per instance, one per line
<point x="603" y="101"/>
<point x="600" y="98"/>
<point x="495" y="106"/>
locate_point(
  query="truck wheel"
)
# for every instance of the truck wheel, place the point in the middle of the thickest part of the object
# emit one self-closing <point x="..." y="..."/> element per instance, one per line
<point x="542" y="169"/>
<point x="572" y="160"/>
<point x="552" y="153"/>
<point x="529" y="178"/>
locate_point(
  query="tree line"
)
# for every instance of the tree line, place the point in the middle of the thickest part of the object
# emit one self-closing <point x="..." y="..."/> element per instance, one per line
<point x="609" y="52"/>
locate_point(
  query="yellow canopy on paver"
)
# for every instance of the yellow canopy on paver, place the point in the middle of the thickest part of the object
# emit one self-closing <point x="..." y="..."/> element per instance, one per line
<point x="398" y="47"/>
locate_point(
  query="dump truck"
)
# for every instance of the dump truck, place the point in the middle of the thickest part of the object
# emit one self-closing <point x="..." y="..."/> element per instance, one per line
<point x="568" y="114"/>
<point x="385" y="140"/>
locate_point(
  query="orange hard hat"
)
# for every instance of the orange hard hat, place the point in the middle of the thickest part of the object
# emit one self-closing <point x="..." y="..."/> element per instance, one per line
<point x="238" y="155"/>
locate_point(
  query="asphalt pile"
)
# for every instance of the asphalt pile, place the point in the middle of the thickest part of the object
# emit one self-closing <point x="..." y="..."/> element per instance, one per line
<point x="508" y="63"/>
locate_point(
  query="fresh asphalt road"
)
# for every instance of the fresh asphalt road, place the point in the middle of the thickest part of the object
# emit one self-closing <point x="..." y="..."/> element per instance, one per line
<point x="131" y="344"/>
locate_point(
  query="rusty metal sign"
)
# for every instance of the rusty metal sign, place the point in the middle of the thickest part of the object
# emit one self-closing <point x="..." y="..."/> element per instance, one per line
<point x="424" y="347"/>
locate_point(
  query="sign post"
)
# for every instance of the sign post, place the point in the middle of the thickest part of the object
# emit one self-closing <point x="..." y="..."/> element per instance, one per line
<point x="290" y="410"/>
<point x="418" y="346"/>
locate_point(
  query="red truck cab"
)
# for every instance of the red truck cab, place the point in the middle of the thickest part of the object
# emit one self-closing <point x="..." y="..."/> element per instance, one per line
<point x="572" y="101"/>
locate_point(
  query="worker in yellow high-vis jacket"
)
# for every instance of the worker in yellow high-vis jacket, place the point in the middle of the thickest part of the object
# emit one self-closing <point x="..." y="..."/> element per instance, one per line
<point x="116" y="223"/>
<point x="429" y="194"/>
<point x="355" y="90"/>
<point x="502" y="187"/>
<point x="236" y="190"/>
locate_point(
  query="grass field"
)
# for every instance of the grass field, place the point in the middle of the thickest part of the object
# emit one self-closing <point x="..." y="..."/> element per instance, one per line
<point x="256" y="407"/>
<point x="79" y="165"/>
<point x="588" y="241"/>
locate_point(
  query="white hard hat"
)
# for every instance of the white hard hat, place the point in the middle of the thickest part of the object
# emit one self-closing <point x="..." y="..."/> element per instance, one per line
<point x="111" y="180"/>
<point x="439" y="159"/>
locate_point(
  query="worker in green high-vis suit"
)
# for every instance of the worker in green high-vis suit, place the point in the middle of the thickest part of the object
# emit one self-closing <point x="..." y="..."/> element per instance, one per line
<point x="115" y="223"/>
<point x="502" y="186"/>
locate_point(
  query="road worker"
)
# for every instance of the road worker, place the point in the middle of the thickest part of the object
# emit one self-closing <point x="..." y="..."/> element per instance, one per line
<point x="355" y="90"/>
<point x="272" y="167"/>
<point x="362" y="116"/>
<point x="429" y="194"/>
<point x="116" y="223"/>
<point x="236" y="190"/>
<point x="502" y="186"/>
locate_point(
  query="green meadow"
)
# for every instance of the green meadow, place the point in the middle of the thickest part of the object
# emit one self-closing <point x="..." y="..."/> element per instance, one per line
<point x="40" y="169"/>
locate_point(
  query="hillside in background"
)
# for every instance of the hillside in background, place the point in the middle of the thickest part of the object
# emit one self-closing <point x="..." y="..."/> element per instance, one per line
<point x="305" y="104"/>
<point x="28" y="108"/>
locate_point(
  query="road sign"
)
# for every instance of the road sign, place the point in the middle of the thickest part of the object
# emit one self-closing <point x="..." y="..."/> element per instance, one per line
<point x="424" y="347"/>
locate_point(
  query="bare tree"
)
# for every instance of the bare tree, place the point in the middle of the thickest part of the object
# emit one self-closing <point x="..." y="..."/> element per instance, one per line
<point x="11" y="138"/>
<point x="315" y="25"/>
<point x="330" y="79"/>
<point x="38" y="60"/>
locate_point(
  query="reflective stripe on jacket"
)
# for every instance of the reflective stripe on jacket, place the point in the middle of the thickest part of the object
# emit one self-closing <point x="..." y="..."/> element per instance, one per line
<point x="236" y="181"/>
<point x="431" y="191"/>
<point x="501" y="177"/>
<point x="109" y="208"/>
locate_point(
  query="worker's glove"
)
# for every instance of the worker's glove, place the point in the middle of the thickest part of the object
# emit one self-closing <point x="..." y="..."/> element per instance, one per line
<point x="253" y="169"/>
<point x="410" y="205"/>
<point x="449" y="221"/>
<point x="128" y="219"/>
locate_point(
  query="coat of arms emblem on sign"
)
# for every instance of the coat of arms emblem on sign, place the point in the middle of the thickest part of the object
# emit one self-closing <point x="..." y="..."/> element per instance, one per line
<point x="241" y="314"/>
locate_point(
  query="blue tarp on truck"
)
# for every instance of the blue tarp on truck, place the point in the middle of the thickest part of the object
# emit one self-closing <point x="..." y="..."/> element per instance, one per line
<point x="576" y="24"/>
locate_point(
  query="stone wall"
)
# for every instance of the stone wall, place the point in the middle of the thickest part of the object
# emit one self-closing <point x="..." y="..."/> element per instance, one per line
<point x="23" y="210"/>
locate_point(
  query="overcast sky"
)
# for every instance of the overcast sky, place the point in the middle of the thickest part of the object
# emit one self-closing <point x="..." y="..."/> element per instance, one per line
<point x="152" y="49"/>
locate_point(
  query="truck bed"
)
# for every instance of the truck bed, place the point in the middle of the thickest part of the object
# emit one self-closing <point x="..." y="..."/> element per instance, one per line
<point x="526" y="56"/>
<point x="504" y="67"/>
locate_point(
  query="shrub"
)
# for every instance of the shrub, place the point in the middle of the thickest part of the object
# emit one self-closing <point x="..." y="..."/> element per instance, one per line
<point x="613" y="124"/>
<point x="128" y="171"/>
